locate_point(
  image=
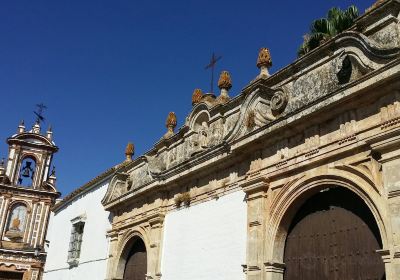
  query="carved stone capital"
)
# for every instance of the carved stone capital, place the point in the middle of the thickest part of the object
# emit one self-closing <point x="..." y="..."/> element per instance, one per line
<point x="157" y="220"/>
<point x="255" y="185"/>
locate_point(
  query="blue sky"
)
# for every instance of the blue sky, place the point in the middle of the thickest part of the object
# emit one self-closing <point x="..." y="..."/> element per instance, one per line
<point x="110" y="71"/>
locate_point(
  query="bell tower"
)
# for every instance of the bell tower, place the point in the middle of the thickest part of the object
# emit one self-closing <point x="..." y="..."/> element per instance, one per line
<point x="30" y="157"/>
<point x="27" y="194"/>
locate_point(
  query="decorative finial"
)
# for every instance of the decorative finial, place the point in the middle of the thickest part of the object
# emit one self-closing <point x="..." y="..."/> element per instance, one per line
<point x="170" y="124"/>
<point x="225" y="81"/>
<point x="53" y="172"/>
<point x="264" y="61"/>
<point x="224" y="84"/>
<point x="196" y="96"/>
<point x="21" y="127"/>
<point x="129" y="151"/>
<point x="36" y="127"/>
<point x="49" y="133"/>
<point x="52" y="178"/>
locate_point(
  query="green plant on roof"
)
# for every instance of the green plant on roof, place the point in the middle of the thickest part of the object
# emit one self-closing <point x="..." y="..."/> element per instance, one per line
<point x="323" y="29"/>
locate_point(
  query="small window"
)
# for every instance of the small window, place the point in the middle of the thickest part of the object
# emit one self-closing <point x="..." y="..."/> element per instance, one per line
<point x="75" y="243"/>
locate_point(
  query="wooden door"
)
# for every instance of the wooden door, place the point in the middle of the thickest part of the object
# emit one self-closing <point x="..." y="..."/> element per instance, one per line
<point x="333" y="237"/>
<point x="6" y="275"/>
<point x="136" y="265"/>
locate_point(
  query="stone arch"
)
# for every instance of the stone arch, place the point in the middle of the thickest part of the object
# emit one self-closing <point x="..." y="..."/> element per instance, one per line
<point x="125" y="246"/>
<point x="25" y="159"/>
<point x="199" y="115"/>
<point x="25" y="203"/>
<point x="293" y="196"/>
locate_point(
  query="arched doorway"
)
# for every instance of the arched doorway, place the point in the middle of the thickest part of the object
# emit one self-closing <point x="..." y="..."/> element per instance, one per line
<point x="333" y="236"/>
<point x="136" y="264"/>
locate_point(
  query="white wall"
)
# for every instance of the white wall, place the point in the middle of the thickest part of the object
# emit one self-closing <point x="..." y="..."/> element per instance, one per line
<point x="94" y="250"/>
<point x="206" y="241"/>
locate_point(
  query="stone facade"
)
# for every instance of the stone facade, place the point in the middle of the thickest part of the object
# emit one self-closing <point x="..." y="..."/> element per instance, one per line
<point x="27" y="193"/>
<point x="332" y="118"/>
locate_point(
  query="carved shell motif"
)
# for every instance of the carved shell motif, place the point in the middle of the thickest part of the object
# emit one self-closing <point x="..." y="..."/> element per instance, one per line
<point x="278" y="102"/>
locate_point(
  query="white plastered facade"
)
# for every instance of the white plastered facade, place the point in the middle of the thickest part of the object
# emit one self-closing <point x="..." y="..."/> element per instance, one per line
<point x="94" y="250"/>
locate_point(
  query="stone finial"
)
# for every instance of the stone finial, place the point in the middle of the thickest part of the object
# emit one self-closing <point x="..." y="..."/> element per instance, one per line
<point x="49" y="133"/>
<point x="36" y="128"/>
<point x="129" y="151"/>
<point x="53" y="172"/>
<point x="264" y="61"/>
<point x="52" y="178"/>
<point x="21" y="127"/>
<point x="225" y="81"/>
<point x="224" y="84"/>
<point x="196" y="96"/>
<point x="170" y="124"/>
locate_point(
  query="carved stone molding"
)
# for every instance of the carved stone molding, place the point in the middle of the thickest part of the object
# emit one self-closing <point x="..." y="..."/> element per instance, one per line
<point x="254" y="185"/>
<point x="274" y="270"/>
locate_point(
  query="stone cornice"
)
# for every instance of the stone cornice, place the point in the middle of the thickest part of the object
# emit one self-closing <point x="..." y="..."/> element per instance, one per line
<point x="26" y="191"/>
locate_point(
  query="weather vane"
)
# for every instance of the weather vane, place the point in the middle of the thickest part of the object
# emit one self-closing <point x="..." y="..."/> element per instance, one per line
<point x="39" y="112"/>
<point x="211" y="65"/>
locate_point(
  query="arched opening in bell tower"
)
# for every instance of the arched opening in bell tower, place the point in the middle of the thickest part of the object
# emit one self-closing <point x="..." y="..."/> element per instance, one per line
<point x="27" y="171"/>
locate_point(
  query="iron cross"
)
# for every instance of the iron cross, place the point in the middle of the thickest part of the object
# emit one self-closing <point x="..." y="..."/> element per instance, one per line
<point x="213" y="61"/>
<point x="39" y="112"/>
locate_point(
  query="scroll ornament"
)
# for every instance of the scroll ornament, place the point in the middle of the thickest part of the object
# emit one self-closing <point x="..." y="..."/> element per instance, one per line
<point x="278" y="102"/>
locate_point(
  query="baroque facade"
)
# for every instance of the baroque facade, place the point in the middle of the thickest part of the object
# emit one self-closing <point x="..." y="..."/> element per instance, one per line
<point x="27" y="193"/>
<point x="309" y="155"/>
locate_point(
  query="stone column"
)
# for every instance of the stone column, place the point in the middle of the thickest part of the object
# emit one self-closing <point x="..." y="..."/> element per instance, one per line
<point x="112" y="251"/>
<point x="255" y="187"/>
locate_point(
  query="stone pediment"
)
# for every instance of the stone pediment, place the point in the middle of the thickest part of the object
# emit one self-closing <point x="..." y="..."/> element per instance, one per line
<point x="213" y="129"/>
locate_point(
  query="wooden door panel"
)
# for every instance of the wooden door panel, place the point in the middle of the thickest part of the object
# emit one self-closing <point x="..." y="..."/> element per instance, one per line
<point x="136" y="265"/>
<point x="332" y="242"/>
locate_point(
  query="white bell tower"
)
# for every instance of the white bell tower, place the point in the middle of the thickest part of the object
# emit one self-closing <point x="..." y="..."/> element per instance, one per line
<point x="30" y="157"/>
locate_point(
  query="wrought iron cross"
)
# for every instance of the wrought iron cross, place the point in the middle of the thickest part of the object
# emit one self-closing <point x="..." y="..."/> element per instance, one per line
<point x="211" y="65"/>
<point x="39" y="112"/>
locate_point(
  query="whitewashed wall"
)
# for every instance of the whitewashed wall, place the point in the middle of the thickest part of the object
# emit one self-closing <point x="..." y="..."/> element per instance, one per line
<point x="206" y="241"/>
<point x="94" y="250"/>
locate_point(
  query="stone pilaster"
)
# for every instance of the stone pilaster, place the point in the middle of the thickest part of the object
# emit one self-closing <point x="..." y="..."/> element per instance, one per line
<point x="388" y="148"/>
<point x="112" y="252"/>
<point x="156" y="230"/>
<point x="255" y="187"/>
